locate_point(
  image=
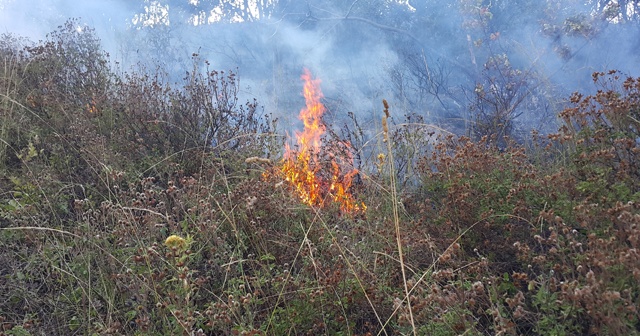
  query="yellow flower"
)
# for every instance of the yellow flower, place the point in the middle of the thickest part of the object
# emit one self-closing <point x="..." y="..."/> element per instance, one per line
<point x="175" y="241"/>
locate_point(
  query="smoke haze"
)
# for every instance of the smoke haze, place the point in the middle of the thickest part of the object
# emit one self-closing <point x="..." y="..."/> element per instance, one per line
<point x="431" y="58"/>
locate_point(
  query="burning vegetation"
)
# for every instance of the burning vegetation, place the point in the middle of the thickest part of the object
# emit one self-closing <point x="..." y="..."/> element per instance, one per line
<point x="304" y="167"/>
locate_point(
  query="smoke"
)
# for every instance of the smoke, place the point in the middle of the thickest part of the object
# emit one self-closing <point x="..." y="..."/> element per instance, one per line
<point x="425" y="57"/>
<point x="34" y="19"/>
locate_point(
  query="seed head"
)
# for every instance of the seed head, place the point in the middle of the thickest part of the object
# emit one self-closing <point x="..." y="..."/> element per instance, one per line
<point x="174" y="241"/>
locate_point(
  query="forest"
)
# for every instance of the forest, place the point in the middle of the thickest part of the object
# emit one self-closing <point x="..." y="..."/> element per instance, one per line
<point x="321" y="167"/>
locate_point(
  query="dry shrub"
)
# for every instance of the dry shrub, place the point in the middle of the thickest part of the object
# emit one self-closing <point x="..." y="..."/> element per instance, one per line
<point x="127" y="207"/>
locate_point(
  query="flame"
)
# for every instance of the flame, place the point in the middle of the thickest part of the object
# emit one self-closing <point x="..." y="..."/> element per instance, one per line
<point x="302" y="169"/>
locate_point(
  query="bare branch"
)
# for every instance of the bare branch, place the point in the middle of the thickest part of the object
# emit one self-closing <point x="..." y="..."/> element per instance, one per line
<point x="374" y="24"/>
<point x="350" y="8"/>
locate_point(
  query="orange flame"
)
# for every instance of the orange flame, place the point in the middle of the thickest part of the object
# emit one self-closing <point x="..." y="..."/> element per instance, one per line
<point x="302" y="168"/>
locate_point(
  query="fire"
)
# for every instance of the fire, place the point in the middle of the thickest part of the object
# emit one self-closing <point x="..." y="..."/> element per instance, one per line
<point x="303" y="168"/>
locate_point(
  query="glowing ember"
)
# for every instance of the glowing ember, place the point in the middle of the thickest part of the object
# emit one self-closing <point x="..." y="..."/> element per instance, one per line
<point x="303" y="168"/>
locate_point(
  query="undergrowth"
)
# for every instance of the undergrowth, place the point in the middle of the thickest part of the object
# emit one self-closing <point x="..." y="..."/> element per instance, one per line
<point x="132" y="206"/>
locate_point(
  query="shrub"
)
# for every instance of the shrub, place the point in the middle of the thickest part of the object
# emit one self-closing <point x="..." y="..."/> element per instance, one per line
<point x="131" y="206"/>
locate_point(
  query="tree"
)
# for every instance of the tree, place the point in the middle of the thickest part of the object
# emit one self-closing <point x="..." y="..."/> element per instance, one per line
<point x="446" y="51"/>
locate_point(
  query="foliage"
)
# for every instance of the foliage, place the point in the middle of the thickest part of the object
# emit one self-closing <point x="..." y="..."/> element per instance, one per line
<point x="129" y="205"/>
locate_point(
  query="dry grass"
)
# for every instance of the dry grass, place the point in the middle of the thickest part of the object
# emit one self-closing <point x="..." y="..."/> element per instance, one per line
<point x="459" y="236"/>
